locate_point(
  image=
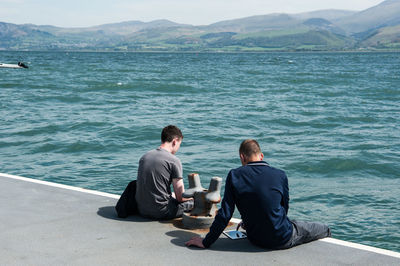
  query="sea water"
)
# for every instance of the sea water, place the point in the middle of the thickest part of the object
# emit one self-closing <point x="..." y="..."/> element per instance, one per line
<point x="330" y="120"/>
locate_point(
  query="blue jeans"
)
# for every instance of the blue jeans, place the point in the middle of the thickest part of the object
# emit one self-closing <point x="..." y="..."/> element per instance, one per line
<point x="304" y="232"/>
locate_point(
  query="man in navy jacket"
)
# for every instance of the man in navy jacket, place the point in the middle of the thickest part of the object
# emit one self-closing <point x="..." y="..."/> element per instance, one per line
<point x="261" y="194"/>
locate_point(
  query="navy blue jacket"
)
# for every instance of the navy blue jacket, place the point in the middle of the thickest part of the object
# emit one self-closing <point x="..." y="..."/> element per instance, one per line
<point x="261" y="194"/>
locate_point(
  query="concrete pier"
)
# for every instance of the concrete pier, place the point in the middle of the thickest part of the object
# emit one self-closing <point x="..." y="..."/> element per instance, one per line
<point x="44" y="223"/>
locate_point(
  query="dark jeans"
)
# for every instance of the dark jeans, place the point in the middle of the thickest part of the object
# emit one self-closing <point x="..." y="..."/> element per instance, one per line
<point x="176" y="208"/>
<point x="304" y="232"/>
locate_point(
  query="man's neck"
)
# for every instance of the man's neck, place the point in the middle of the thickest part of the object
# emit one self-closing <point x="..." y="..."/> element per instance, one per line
<point x="166" y="146"/>
<point x="253" y="158"/>
<point x="253" y="161"/>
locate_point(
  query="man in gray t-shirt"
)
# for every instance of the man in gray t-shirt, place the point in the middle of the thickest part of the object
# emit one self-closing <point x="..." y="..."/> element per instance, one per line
<point x="158" y="169"/>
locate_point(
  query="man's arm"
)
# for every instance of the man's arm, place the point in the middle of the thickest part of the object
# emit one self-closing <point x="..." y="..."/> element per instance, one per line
<point x="286" y="194"/>
<point x="179" y="188"/>
<point x="221" y="219"/>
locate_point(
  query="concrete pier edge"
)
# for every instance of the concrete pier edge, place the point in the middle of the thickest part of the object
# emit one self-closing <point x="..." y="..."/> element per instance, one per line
<point x="234" y="220"/>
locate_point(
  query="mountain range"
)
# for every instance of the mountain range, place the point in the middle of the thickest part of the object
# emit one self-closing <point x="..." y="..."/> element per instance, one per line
<point x="375" y="28"/>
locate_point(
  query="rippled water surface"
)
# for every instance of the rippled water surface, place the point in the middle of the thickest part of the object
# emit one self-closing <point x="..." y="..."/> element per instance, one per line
<point x="330" y="120"/>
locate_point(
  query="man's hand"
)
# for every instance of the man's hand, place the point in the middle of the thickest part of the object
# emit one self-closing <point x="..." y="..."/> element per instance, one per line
<point x="241" y="224"/>
<point x="195" y="241"/>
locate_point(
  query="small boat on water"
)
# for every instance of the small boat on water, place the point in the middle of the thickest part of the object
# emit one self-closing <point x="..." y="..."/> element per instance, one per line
<point x="19" y="65"/>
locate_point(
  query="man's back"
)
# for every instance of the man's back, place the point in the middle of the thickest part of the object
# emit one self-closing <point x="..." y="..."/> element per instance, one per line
<point x="156" y="170"/>
<point x="261" y="194"/>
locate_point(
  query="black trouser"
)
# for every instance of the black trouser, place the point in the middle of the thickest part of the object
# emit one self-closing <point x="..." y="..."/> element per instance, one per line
<point x="304" y="232"/>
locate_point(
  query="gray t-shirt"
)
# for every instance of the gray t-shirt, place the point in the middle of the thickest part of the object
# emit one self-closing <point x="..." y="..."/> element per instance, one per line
<point x="156" y="170"/>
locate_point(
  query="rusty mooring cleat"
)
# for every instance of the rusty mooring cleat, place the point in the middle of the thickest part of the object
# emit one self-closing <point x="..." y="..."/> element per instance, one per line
<point x="194" y="185"/>
<point x="205" y="202"/>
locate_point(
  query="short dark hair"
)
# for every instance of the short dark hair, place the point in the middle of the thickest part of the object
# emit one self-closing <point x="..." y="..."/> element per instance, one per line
<point x="170" y="132"/>
<point x="249" y="147"/>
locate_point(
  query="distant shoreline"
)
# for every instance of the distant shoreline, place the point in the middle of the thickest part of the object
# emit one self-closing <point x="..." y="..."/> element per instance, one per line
<point x="212" y="52"/>
<point x="204" y="52"/>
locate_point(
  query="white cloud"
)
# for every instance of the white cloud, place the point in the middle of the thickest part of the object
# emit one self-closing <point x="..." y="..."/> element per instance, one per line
<point x="4" y="2"/>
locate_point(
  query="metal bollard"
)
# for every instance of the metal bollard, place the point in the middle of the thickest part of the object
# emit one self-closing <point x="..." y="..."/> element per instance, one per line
<point x="205" y="202"/>
<point x="194" y="185"/>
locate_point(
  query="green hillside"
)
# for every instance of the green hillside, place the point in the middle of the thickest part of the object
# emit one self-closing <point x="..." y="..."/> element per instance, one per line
<point x="283" y="40"/>
<point x="388" y="37"/>
<point x="324" y="30"/>
<point x="386" y="13"/>
<point x="288" y="39"/>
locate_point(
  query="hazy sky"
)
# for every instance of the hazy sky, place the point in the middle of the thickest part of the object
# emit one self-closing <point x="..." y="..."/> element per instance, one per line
<point x="82" y="13"/>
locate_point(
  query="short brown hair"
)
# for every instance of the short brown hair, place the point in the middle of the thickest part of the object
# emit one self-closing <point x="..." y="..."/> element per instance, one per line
<point x="170" y="132"/>
<point x="249" y="147"/>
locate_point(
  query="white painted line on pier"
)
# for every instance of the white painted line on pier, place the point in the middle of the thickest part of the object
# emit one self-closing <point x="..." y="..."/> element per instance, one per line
<point x="361" y="247"/>
<point x="234" y="220"/>
<point x="51" y="184"/>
